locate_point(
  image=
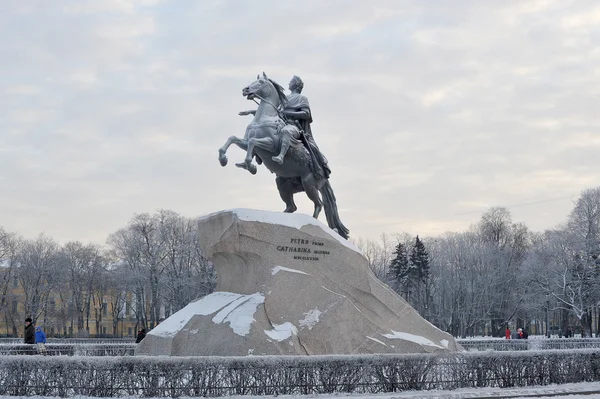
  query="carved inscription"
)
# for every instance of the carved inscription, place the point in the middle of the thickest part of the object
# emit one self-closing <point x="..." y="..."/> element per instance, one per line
<point x="302" y="249"/>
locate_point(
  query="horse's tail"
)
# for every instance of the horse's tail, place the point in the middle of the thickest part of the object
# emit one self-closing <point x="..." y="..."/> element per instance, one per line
<point x="331" y="211"/>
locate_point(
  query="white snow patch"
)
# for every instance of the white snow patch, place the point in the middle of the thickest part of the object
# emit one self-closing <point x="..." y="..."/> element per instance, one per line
<point x="239" y="311"/>
<point x="333" y="292"/>
<point x="310" y="318"/>
<point x="286" y="269"/>
<point x="411" y="337"/>
<point x="444" y="343"/>
<point x="376" y="340"/>
<point x="204" y="306"/>
<point x="223" y="313"/>
<point x="294" y="220"/>
<point x="281" y="332"/>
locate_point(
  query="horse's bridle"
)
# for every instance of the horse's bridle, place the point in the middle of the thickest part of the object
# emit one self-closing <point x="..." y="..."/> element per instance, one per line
<point x="279" y="112"/>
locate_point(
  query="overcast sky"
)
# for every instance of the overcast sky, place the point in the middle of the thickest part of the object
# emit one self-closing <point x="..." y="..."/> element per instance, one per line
<point x="429" y="112"/>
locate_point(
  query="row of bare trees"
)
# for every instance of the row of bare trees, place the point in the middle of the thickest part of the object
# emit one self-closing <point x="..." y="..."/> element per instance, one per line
<point x="499" y="272"/>
<point x="149" y="269"/>
<point x="163" y="252"/>
<point x="496" y="272"/>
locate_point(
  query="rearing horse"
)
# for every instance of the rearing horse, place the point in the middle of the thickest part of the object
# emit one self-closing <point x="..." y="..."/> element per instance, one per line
<point x="263" y="140"/>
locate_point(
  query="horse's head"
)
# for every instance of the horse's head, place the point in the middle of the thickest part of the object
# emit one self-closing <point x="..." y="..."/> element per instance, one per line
<point x="261" y="88"/>
<point x="264" y="88"/>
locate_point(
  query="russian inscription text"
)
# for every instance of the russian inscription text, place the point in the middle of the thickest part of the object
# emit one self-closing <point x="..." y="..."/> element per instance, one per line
<point x="308" y="249"/>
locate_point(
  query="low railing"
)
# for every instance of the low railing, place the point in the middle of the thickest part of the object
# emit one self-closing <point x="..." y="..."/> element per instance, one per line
<point x="529" y="344"/>
<point x="9" y="340"/>
<point x="104" y="347"/>
<point x="290" y="375"/>
<point x="116" y="349"/>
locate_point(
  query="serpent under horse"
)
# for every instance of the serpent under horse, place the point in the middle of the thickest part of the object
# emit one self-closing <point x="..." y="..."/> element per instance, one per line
<point x="262" y="140"/>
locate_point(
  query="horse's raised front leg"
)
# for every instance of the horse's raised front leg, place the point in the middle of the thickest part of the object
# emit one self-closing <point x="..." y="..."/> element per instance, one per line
<point x="265" y="143"/>
<point x="247" y="164"/>
<point x="242" y="143"/>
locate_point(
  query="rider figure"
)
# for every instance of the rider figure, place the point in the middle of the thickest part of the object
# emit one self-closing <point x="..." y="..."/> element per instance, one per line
<point x="297" y="112"/>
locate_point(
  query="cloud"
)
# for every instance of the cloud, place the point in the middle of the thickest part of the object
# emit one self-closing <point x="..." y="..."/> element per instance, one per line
<point x="115" y="107"/>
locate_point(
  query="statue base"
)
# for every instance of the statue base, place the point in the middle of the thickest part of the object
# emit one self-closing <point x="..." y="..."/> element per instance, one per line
<point x="289" y="285"/>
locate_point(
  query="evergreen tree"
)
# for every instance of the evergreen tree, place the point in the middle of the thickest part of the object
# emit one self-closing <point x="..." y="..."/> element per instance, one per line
<point x="419" y="274"/>
<point x="419" y="259"/>
<point x="398" y="270"/>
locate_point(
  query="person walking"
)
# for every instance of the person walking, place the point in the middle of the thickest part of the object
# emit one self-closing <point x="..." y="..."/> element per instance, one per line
<point x="141" y="335"/>
<point x="29" y="337"/>
<point x="515" y="335"/>
<point x="40" y="339"/>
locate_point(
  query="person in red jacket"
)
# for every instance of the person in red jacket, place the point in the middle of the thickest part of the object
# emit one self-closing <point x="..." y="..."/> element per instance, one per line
<point x="507" y="333"/>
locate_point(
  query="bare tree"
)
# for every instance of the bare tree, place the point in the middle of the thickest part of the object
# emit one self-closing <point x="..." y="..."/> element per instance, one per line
<point x="127" y="247"/>
<point x="462" y="283"/>
<point x="167" y="264"/>
<point x="82" y="265"/>
<point x="37" y="260"/>
<point x="8" y="252"/>
<point x="505" y="246"/>
<point x="188" y="274"/>
<point x="584" y="225"/>
<point x="118" y="282"/>
<point x="378" y="254"/>
<point x="565" y="262"/>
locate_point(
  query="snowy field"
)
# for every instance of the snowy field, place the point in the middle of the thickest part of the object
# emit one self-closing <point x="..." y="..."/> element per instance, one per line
<point x="588" y="390"/>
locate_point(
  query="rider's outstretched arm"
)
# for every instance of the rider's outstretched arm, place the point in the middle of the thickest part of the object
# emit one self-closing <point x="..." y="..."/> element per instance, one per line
<point x="249" y="112"/>
<point x="302" y="114"/>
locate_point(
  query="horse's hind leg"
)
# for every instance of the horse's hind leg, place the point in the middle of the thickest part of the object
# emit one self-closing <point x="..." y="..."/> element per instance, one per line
<point x="285" y="185"/>
<point x="243" y="144"/>
<point x="312" y="191"/>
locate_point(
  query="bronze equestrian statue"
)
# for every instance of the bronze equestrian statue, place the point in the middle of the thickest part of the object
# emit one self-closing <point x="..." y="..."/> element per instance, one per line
<point x="280" y="137"/>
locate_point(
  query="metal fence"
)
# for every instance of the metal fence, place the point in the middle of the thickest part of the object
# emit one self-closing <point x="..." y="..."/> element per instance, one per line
<point x="529" y="344"/>
<point x="122" y="347"/>
<point x="9" y="340"/>
<point x="114" y="349"/>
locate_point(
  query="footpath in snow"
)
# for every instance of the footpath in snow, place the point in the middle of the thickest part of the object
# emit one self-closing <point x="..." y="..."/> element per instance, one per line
<point x="588" y="390"/>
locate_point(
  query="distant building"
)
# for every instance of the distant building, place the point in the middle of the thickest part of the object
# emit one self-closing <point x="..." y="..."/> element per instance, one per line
<point x="108" y="314"/>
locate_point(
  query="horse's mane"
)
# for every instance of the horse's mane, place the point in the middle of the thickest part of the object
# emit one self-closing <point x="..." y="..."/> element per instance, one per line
<point x="280" y="91"/>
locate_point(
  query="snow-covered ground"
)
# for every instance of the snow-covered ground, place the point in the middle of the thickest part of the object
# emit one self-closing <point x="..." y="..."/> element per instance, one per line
<point x="588" y="390"/>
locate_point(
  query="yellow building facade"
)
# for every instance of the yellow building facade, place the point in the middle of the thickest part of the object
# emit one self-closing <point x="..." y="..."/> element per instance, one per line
<point x="109" y="314"/>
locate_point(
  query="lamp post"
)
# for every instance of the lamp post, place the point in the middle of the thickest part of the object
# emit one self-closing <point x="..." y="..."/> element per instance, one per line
<point x="547" y="319"/>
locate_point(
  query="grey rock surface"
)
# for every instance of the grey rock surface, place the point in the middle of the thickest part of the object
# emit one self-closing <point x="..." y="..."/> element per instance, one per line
<point x="289" y="285"/>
